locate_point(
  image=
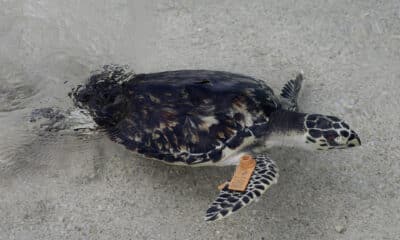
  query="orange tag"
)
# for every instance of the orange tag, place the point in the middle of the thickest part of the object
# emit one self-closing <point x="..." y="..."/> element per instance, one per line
<point x="242" y="174"/>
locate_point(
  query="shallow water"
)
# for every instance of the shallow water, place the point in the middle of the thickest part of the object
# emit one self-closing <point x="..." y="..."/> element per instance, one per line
<point x="68" y="185"/>
<point x="49" y="47"/>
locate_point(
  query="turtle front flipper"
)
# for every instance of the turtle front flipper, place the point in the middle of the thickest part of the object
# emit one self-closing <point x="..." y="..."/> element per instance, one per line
<point x="229" y="201"/>
<point x="290" y="93"/>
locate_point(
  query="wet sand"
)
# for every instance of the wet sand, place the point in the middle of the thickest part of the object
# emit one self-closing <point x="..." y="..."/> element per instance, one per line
<point x="68" y="186"/>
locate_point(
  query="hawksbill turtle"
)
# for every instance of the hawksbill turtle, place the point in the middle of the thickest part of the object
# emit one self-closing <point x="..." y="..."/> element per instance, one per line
<point x="208" y="118"/>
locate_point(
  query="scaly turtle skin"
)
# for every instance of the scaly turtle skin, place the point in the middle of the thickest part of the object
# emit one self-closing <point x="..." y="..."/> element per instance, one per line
<point x="200" y="117"/>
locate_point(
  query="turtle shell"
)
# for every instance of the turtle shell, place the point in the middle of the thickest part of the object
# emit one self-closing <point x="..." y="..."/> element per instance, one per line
<point x="186" y="116"/>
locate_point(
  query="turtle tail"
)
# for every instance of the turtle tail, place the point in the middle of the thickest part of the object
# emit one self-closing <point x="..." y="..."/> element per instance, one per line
<point x="103" y="94"/>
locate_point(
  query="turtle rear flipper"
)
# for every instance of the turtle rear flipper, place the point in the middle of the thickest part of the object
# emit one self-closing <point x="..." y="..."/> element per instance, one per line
<point x="265" y="174"/>
<point x="290" y="93"/>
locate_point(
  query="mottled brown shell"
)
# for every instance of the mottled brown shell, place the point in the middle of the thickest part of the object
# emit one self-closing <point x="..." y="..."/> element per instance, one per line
<point x="187" y="116"/>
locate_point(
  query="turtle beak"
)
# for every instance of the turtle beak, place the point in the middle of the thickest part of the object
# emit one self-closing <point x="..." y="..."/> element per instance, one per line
<point x="354" y="140"/>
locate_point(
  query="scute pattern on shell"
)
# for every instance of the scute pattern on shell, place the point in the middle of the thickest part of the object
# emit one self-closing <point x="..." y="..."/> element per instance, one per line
<point x="228" y="201"/>
<point x="187" y="116"/>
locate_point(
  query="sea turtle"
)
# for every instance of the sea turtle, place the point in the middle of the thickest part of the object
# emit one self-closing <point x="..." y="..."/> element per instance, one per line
<point x="213" y="118"/>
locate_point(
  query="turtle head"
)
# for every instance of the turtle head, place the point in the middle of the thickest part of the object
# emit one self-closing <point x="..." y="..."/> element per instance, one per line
<point x="310" y="131"/>
<point x="328" y="132"/>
